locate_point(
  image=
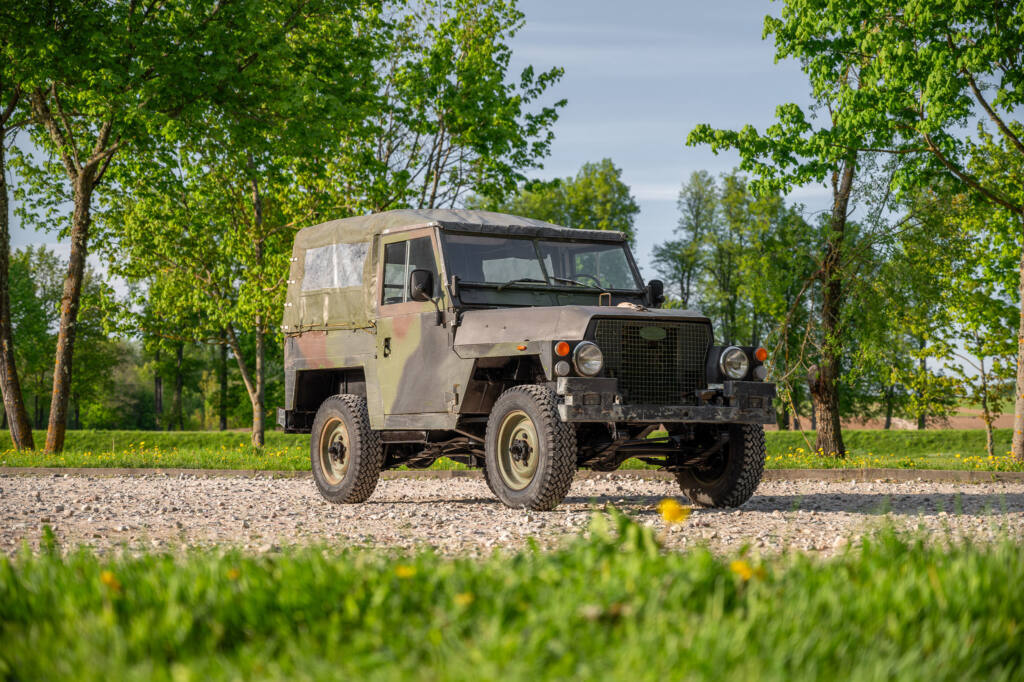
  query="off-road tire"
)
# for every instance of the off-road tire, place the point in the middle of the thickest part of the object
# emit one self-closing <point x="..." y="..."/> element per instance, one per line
<point x="365" y="452"/>
<point x="744" y="466"/>
<point x="556" y="465"/>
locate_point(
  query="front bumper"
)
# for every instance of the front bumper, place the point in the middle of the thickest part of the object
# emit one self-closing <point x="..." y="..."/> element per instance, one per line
<point x="598" y="400"/>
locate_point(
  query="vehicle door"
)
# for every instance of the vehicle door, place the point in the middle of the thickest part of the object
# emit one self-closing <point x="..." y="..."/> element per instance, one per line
<point x="414" y="357"/>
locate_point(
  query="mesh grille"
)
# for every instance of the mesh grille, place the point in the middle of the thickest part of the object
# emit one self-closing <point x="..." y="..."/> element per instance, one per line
<point x="654" y="368"/>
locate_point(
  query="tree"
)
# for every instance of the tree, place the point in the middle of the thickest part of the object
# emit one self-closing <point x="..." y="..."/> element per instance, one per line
<point x="681" y="261"/>
<point x="595" y="199"/>
<point x="115" y="77"/>
<point x="11" y="118"/>
<point x="448" y="118"/>
<point x="927" y="71"/>
<point x="35" y="285"/>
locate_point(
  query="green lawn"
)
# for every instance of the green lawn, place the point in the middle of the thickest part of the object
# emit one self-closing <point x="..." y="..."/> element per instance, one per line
<point x="611" y="607"/>
<point x="930" y="449"/>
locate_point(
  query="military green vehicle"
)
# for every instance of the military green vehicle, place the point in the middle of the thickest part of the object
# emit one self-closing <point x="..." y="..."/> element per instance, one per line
<point x="513" y="345"/>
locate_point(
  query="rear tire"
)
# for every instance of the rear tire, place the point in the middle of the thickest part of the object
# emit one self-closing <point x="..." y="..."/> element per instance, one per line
<point x="345" y="453"/>
<point x="732" y="477"/>
<point x="530" y="453"/>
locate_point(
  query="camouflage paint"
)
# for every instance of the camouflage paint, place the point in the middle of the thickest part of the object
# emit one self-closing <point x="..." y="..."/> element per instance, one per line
<point x="418" y="357"/>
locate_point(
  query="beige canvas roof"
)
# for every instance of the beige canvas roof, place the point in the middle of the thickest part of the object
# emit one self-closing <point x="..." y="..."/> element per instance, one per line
<point x="362" y="228"/>
<point x="339" y="291"/>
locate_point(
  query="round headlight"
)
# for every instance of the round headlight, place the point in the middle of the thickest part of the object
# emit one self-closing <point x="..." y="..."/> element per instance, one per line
<point x="734" y="363"/>
<point x="588" y="359"/>
<point x="562" y="368"/>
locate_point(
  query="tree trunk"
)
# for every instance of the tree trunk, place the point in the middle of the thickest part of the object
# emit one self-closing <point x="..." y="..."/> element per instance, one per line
<point x="158" y="388"/>
<point x="922" y="417"/>
<point x="783" y="419"/>
<point x="825" y="398"/>
<point x="888" y="407"/>
<point x="10" y="387"/>
<point x="222" y="370"/>
<point x="257" y="396"/>
<point x="257" y="405"/>
<point x="177" y="416"/>
<point x="986" y="414"/>
<point x="1017" y="443"/>
<point x="250" y="386"/>
<point x="70" y="300"/>
<point x="824" y="377"/>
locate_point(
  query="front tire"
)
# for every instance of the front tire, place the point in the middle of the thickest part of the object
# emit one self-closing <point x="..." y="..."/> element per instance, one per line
<point x="730" y="478"/>
<point x="530" y="452"/>
<point x="345" y="453"/>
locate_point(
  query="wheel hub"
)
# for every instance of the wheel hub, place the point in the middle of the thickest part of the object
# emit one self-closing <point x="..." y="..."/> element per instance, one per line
<point x="518" y="453"/>
<point x="520" y="450"/>
<point x="337" y="451"/>
<point x="334" y="459"/>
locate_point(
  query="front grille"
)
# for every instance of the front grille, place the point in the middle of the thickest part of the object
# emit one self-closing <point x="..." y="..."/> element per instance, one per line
<point x="663" y="365"/>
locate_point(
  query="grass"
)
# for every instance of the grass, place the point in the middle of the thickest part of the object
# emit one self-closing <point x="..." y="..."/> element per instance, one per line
<point x="929" y="449"/>
<point x="608" y="606"/>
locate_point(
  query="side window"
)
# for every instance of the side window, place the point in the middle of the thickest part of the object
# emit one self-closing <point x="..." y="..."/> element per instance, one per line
<point x="400" y="259"/>
<point x="421" y="257"/>
<point x="394" y="273"/>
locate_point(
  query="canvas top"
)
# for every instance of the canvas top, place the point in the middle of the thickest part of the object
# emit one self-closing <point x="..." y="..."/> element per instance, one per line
<point x="363" y="228"/>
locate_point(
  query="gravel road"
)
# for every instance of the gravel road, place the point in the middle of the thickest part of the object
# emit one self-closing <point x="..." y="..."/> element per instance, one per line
<point x="458" y="515"/>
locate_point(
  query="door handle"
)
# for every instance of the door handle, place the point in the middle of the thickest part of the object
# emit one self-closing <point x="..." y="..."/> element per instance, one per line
<point x="387" y="346"/>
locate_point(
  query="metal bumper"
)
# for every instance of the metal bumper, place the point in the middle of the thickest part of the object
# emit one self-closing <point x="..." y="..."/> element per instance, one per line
<point x="598" y="400"/>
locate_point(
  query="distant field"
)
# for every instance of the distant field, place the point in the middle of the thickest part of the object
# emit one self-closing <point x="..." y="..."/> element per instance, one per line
<point x="929" y="449"/>
<point x="607" y="606"/>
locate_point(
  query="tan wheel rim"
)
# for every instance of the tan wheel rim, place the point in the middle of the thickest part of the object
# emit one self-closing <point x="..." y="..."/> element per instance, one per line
<point x="335" y="451"/>
<point x="518" y="451"/>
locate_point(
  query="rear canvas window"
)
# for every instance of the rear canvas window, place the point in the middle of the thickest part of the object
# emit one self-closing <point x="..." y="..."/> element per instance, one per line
<point x="334" y="266"/>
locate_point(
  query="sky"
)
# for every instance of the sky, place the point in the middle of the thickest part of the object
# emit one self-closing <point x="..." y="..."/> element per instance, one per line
<point x="638" y="77"/>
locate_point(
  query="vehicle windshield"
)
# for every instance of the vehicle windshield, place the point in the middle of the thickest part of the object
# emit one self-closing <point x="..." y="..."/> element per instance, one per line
<point x="499" y="260"/>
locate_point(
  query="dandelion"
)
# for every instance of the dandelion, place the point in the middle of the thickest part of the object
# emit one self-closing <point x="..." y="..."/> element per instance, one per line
<point x="234" y="574"/>
<point x="403" y="571"/>
<point x="110" y="580"/>
<point x="464" y="598"/>
<point x="745" y="571"/>
<point x="672" y="511"/>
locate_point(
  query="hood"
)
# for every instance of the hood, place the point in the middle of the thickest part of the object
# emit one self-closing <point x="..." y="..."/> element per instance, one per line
<point x="570" y="322"/>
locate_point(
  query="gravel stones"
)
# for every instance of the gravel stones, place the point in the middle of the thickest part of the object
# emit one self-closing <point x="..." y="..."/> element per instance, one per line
<point x="459" y="515"/>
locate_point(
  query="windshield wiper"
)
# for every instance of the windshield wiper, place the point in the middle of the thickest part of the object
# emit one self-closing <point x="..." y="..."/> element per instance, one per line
<point x="579" y="284"/>
<point x="521" y="279"/>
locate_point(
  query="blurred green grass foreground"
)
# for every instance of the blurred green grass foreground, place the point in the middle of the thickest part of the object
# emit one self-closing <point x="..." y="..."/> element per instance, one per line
<point x="611" y="605"/>
<point x="928" y="449"/>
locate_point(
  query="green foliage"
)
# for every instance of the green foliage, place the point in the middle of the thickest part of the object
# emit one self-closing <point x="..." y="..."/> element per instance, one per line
<point x="447" y="116"/>
<point x="610" y="605"/>
<point x="595" y="199"/>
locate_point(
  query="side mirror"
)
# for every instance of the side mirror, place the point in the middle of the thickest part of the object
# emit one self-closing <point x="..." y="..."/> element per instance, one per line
<point x="421" y="285"/>
<point x="656" y="288"/>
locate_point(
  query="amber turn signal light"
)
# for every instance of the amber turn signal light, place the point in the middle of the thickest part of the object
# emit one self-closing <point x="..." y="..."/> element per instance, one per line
<point x="761" y="354"/>
<point x="562" y="348"/>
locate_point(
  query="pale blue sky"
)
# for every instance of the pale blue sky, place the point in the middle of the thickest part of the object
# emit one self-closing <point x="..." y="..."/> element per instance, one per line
<point x="638" y="77"/>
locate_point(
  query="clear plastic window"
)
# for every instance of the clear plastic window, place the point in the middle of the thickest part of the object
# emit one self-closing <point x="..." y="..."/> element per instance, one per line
<point x="400" y="259"/>
<point x="605" y="265"/>
<point x="488" y="259"/>
<point x="334" y="266"/>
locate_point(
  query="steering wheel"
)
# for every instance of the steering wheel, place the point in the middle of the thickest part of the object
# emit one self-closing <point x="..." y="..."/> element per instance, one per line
<point x="597" y="282"/>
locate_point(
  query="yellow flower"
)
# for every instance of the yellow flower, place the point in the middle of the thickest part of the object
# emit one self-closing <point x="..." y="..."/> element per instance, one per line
<point x="464" y="599"/>
<point x="745" y="570"/>
<point x="403" y="571"/>
<point x="672" y="511"/>
<point x="110" y="580"/>
<point x="234" y="574"/>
